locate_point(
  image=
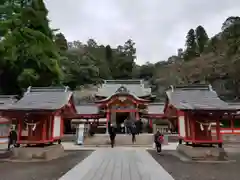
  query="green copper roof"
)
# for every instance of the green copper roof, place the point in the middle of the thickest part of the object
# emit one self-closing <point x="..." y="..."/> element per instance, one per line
<point x="136" y="87"/>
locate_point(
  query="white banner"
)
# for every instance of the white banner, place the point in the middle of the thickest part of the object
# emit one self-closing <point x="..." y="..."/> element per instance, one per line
<point x="80" y="134"/>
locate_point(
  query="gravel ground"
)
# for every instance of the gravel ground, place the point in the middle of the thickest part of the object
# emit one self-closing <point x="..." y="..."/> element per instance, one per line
<point x="50" y="170"/>
<point x="198" y="171"/>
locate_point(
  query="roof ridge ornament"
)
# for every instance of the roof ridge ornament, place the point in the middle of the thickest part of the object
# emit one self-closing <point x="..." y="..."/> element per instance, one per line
<point x="122" y="89"/>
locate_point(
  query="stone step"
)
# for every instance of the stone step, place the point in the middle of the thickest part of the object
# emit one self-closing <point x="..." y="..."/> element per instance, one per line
<point x="121" y="139"/>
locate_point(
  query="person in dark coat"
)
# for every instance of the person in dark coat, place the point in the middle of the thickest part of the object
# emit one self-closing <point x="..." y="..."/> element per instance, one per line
<point x="12" y="138"/>
<point x="137" y="124"/>
<point x="158" y="139"/>
<point x="112" y="134"/>
<point x="133" y="132"/>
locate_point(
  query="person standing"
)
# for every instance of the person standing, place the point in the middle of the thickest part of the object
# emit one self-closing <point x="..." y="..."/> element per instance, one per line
<point x="158" y="139"/>
<point x="112" y="134"/>
<point x="12" y="138"/>
<point x="133" y="132"/>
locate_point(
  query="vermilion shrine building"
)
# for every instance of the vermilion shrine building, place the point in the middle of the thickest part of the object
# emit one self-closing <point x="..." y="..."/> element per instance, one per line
<point x="117" y="100"/>
<point x="193" y="109"/>
<point x="39" y="114"/>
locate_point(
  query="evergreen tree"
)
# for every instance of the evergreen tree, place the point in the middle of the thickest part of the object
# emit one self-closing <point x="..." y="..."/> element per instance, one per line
<point x="38" y="17"/>
<point x="231" y="33"/>
<point x="191" y="46"/>
<point x="30" y="55"/>
<point x="109" y="54"/>
<point x="201" y="38"/>
<point x="61" y="42"/>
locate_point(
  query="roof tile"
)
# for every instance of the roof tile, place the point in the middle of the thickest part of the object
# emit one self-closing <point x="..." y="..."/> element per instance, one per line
<point x="41" y="99"/>
<point x="196" y="97"/>
<point x="156" y="108"/>
<point x="87" y="109"/>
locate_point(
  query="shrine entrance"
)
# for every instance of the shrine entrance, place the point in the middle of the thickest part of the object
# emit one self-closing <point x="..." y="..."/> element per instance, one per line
<point x="120" y="119"/>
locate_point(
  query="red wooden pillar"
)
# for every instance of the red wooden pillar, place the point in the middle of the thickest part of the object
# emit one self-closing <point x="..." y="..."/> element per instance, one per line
<point x="232" y="123"/>
<point x="150" y="123"/>
<point x="107" y="120"/>
<point x="137" y="112"/>
<point x="192" y="123"/>
<point x="218" y="133"/>
<point x="19" y="130"/>
<point x="62" y="126"/>
<point x="44" y="130"/>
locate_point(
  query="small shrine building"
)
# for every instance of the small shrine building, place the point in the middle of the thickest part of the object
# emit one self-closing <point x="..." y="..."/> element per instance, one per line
<point x="193" y="109"/>
<point x="39" y="115"/>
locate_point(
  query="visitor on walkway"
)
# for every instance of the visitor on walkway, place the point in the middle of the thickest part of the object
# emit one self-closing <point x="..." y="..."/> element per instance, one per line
<point x="133" y="132"/>
<point x="112" y="134"/>
<point x="137" y="124"/>
<point x="12" y="138"/>
<point x="158" y="139"/>
<point x="127" y="124"/>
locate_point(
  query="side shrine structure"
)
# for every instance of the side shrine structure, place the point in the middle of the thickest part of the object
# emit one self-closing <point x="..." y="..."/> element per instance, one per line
<point x="39" y="115"/>
<point x="193" y="109"/>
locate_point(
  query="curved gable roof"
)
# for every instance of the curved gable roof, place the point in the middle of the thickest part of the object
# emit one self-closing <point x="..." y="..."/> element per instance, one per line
<point x="49" y="98"/>
<point x="122" y="94"/>
<point x="196" y="97"/>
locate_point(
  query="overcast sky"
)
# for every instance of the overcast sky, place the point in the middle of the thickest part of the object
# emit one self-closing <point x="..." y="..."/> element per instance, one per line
<point x="158" y="27"/>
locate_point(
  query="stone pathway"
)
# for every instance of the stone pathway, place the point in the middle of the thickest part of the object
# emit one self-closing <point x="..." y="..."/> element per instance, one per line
<point x="120" y="163"/>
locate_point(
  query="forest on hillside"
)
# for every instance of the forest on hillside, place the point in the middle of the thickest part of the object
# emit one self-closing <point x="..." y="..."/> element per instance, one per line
<point x="33" y="54"/>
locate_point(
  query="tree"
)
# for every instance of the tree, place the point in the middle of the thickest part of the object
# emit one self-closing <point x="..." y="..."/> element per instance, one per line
<point x="231" y="34"/>
<point x="92" y="43"/>
<point x="79" y="69"/>
<point x="30" y="55"/>
<point x="108" y="52"/>
<point x="35" y="16"/>
<point x="230" y="21"/>
<point x="146" y="71"/>
<point x="191" y="46"/>
<point x="129" y="49"/>
<point x="109" y="57"/>
<point x="61" y="42"/>
<point x="201" y="38"/>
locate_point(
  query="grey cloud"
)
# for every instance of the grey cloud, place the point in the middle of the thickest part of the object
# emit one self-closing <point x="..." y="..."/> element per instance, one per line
<point x="158" y="27"/>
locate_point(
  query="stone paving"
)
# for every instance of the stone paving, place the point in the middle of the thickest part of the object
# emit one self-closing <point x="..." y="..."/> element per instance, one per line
<point x="118" y="164"/>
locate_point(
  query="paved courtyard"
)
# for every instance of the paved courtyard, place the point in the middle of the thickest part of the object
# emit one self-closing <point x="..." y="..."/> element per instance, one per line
<point x="119" y="164"/>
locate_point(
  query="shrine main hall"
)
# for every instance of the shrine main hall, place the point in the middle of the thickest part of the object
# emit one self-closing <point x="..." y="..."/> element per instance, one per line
<point x="118" y="100"/>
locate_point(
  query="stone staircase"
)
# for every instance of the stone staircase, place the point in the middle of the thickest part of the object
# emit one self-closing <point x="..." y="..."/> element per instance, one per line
<point x="121" y="140"/>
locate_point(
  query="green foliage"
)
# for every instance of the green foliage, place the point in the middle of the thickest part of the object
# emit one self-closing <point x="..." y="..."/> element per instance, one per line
<point x="61" y="42"/>
<point x="191" y="46"/>
<point x="201" y="38"/>
<point x="29" y="54"/>
<point x="231" y="33"/>
<point x="230" y="21"/>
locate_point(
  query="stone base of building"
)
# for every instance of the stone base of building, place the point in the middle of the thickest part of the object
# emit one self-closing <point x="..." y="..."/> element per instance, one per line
<point x="38" y="153"/>
<point x="203" y="153"/>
